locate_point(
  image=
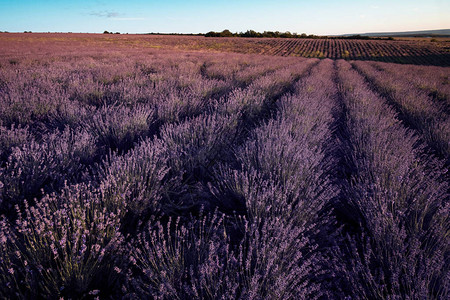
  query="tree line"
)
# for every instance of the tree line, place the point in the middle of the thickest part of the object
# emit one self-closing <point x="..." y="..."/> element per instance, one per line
<point x="287" y="34"/>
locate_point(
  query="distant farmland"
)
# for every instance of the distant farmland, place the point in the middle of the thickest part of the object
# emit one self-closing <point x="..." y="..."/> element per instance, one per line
<point x="403" y="51"/>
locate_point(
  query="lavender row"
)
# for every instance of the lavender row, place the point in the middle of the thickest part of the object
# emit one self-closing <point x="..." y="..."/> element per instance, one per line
<point x="292" y="145"/>
<point x="415" y="107"/>
<point x="432" y="80"/>
<point x="282" y="184"/>
<point x="401" y="205"/>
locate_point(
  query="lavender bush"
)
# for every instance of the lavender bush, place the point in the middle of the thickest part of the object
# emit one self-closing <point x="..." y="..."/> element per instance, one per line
<point x="63" y="246"/>
<point x="139" y="181"/>
<point x="118" y="127"/>
<point x="12" y="137"/>
<point x="176" y="260"/>
<point x="46" y="165"/>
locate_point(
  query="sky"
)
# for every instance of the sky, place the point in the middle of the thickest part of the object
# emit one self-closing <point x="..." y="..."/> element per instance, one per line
<point x="320" y="17"/>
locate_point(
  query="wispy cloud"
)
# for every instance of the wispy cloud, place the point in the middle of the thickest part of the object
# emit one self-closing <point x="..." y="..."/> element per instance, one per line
<point x="112" y="15"/>
<point x="374" y="7"/>
<point x="105" y="14"/>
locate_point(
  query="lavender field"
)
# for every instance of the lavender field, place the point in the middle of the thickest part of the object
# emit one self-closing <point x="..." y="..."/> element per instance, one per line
<point x="159" y="174"/>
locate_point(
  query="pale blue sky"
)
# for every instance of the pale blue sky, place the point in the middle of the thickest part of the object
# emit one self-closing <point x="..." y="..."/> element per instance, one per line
<point x="195" y="16"/>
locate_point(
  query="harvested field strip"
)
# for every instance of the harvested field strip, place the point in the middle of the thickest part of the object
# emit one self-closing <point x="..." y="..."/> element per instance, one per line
<point x="409" y="52"/>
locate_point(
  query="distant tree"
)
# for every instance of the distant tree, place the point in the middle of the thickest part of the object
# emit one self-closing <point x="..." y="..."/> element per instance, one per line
<point x="269" y="34"/>
<point x="212" y="34"/>
<point x="106" y="32"/>
<point x="226" y="33"/>
<point x="286" y="34"/>
<point x="250" y="33"/>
